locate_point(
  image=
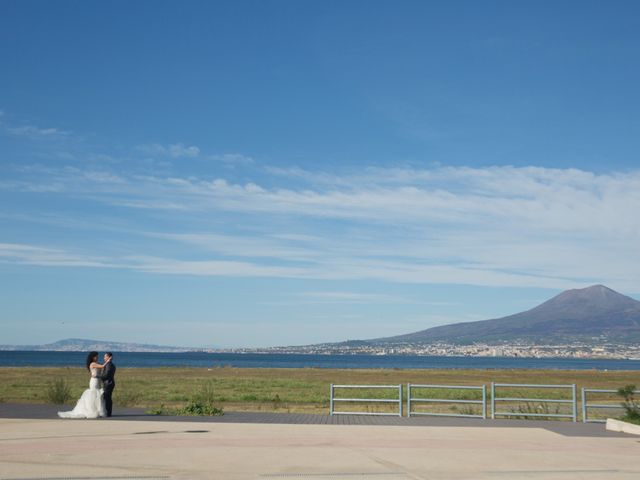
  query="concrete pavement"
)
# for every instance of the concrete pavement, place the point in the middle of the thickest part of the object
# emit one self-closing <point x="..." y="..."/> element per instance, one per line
<point x="119" y="448"/>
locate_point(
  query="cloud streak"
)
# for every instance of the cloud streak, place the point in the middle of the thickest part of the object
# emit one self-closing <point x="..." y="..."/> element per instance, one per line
<point x="174" y="150"/>
<point x="351" y="297"/>
<point x="33" y="132"/>
<point x="553" y="199"/>
<point x="497" y="226"/>
<point x="48" y="257"/>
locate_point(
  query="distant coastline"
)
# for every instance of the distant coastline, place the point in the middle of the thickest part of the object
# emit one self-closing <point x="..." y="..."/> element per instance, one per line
<point x="575" y="350"/>
<point x="297" y="361"/>
<point x="602" y="350"/>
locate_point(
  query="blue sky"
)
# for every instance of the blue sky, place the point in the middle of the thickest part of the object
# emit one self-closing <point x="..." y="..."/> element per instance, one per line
<point x="285" y="172"/>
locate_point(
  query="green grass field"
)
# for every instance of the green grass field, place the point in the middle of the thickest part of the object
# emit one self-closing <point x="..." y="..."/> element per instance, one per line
<point x="287" y="390"/>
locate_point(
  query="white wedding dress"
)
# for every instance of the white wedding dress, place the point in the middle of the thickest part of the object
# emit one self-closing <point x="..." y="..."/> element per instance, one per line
<point x="91" y="403"/>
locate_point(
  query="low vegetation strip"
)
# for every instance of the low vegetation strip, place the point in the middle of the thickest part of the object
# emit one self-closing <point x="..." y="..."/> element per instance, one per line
<point x="289" y="390"/>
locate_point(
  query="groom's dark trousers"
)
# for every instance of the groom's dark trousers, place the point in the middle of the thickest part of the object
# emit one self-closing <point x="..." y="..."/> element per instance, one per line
<point x="109" y="383"/>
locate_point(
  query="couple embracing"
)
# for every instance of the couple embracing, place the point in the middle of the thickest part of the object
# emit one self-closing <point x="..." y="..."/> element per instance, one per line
<point x="96" y="401"/>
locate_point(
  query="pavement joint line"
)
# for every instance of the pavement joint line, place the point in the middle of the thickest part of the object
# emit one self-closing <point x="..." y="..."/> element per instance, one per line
<point x="151" y="432"/>
<point x="102" y="477"/>
<point x="549" y="472"/>
<point x="332" y="474"/>
<point x="53" y="437"/>
<point x="99" y="435"/>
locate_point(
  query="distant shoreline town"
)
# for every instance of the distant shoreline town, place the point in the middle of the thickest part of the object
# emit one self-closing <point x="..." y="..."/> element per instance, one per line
<point x="582" y="350"/>
<point x="525" y="350"/>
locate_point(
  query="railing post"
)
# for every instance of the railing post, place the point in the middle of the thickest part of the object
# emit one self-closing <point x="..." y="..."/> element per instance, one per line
<point x="484" y="402"/>
<point x="584" y="405"/>
<point x="331" y="401"/>
<point x="493" y="401"/>
<point x="575" y="403"/>
<point x="400" y="400"/>
<point x="408" y="399"/>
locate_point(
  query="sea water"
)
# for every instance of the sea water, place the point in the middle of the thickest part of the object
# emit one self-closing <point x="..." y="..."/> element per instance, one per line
<point x="265" y="360"/>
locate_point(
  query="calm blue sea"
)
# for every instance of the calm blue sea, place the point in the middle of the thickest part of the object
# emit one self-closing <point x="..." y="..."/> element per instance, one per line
<point x="253" y="360"/>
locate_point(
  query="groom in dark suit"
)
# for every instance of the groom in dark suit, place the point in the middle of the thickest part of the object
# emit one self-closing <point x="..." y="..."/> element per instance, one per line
<point x="108" y="381"/>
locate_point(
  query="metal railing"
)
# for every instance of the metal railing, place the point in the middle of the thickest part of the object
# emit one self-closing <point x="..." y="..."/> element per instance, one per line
<point x="397" y="401"/>
<point x="573" y="402"/>
<point x="414" y="400"/>
<point x="586" y="405"/>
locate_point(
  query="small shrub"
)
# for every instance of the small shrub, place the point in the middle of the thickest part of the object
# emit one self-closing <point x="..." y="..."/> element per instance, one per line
<point x="58" y="392"/>
<point x="161" y="410"/>
<point x="630" y="404"/>
<point x="197" y="409"/>
<point x="202" y="403"/>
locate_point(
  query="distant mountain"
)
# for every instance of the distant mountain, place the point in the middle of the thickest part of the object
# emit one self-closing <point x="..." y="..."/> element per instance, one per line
<point x="573" y="315"/>
<point x="84" y="345"/>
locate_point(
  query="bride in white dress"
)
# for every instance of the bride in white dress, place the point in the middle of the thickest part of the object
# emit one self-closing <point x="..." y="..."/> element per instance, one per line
<point x="91" y="403"/>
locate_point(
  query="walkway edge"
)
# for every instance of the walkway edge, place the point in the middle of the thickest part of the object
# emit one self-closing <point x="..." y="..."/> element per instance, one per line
<point x="614" y="425"/>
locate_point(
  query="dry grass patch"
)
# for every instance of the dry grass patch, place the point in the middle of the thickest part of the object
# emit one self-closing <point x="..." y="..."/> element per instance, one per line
<point x="273" y="389"/>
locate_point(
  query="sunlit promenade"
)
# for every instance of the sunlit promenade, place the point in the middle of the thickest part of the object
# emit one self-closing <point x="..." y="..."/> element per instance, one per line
<point x="127" y="447"/>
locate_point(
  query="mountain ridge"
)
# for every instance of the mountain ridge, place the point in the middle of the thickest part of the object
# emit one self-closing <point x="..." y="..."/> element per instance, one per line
<point x="592" y="315"/>
<point x="577" y="314"/>
<point x="81" y="344"/>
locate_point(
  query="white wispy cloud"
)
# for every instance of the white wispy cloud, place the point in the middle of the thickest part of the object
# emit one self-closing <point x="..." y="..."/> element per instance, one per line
<point x="493" y="226"/>
<point x="559" y="199"/>
<point x="49" y="257"/>
<point x="232" y="158"/>
<point x="351" y="297"/>
<point x="175" y="150"/>
<point x="34" y="132"/>
<point x="216" y="268"/>
<point x="244" y="246"/>
<point x="345" y="269"/>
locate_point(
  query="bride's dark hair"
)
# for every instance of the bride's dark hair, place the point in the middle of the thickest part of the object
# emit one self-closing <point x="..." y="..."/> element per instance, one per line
<point x="93" y="356"/>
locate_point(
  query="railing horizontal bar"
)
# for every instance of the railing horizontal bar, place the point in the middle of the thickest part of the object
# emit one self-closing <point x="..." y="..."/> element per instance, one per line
<point x="589" y="420"/>
<point x="366" y="413"/>
<point x="592" y="390"/>
<point x="461" y="387"/>
<point x="596" y="405"/>
<point x="444" y="400"/>
<point x="519" y="414"/>
<point x="378" y="400"/>
<point x="528" y="385"/>
<point x="366" y="386"/>
<point x="539" y="400"/>
<point x="445" y="415"/>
